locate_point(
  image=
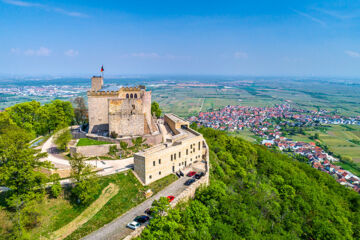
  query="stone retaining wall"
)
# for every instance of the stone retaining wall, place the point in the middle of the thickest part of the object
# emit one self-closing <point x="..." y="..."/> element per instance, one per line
<point x="92" y="150"/>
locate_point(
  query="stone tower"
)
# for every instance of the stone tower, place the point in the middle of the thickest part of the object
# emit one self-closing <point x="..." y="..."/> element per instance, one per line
<point x="96" y="83"/>
<point x="125" y="111"/>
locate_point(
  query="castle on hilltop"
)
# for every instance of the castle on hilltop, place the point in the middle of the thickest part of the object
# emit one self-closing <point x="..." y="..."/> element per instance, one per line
<point x="124" y="111"/>
<point x="122" y="114"/>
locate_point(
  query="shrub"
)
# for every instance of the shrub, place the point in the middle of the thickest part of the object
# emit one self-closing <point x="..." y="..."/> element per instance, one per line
<point x="113" y="150"/>
<point x="113" y="134"/>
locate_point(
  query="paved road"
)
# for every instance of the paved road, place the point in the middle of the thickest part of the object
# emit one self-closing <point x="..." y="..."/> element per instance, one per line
<point x="117" y="228"/>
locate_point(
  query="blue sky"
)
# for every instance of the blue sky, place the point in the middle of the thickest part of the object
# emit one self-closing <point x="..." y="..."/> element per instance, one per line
<point x="283" y="38"/>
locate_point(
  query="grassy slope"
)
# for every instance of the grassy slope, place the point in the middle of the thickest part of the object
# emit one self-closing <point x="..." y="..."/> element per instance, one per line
<point x="130" y="194"/>
<point x="56" y="213"/>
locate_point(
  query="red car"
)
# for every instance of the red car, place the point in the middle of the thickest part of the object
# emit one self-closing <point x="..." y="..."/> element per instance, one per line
<point x="171" y="198"/>
<point x="190" y="174"/>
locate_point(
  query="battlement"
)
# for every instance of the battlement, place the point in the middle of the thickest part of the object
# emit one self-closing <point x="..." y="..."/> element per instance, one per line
<point x="129" y="89"/>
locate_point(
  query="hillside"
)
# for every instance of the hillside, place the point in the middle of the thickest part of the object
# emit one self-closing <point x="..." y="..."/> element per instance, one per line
<point x="259" y="194"/>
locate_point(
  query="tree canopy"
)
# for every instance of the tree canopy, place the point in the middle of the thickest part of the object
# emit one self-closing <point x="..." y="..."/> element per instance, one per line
<point x="155" y="109"/>
<point x="40" y="119"/>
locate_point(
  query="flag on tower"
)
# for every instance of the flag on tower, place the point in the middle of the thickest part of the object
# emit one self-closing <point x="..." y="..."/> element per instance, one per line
<point x="102" y="68"/>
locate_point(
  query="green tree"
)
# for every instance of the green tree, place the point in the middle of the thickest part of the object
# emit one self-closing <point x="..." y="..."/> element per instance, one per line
<point x="62" y="138"/>
<point x="61" y="113"/>
<point x="194" y="126"/>
<point x="86" y="184"/>
<point x="160" y="207"/>
<point x="25" y="114"/>
<point x="155" y="109"/>
<point x="55" y="186"/>
<point x="19" y="166"/>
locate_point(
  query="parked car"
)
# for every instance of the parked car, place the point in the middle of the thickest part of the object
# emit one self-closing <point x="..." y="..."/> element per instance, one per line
<point x="189" y="182"/>
<point x="171" y="198"/>
<point x="133" y="225"/>
<point x="148" y="211"/>
<point x="199" y="175"/>
<point x="191" y="173"/>
<point x="141" y="219"/>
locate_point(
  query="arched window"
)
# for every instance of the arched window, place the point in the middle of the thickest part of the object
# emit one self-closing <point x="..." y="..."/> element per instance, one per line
<point x="135" y="95"/>
<point x="127" y="95"/>
<point x="131" y="95"/>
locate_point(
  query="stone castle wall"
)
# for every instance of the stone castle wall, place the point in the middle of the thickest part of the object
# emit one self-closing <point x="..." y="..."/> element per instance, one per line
<point x="126" y="117"/>
<point x="98" y="114"/>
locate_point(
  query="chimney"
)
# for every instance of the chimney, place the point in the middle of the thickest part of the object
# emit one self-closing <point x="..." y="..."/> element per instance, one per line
<point x="96" y="83"/>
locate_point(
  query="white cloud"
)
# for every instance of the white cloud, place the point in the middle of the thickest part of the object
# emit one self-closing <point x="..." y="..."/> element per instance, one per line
<point x="42" y="51"/>
<point x="16" y="51"/>
<point x="352" y="54"/>
<point x="240" y="55"/>
<point x="71" y="53"/>
<point x="44" y="7"/>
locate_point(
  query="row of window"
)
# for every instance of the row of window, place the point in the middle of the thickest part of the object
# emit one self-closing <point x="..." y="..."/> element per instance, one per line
<point x="173" y="156"/>
<point x="131" y="95"/>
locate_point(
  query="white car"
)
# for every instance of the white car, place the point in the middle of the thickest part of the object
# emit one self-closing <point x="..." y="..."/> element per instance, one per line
<point x="133" y="225"/>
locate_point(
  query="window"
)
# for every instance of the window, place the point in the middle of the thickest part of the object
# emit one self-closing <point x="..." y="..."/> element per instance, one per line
<point x="190" y="159"/>
<point x="150" y="176"/>
<point x="159" y="161"/>
<point x="175" y="156"/>
<point x="187" y="151"/>
<point x="127" y="95"/>
<point x="131" y="95"/>
<point x="135" y="95"/>
<point x="199" y="145"/>
<point x="153" y="163"/>
<point x="160" y="173"/>
<point x="179" y="154"/>
<point x="173" y="168"/>
<point x="179" y="164"/>
<point x="171" y="157"/>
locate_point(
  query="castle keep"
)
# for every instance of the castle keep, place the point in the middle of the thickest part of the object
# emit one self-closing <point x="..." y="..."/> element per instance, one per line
<point x="125" y="111"/>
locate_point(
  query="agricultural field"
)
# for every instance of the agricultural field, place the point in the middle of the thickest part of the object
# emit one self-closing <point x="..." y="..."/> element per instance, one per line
<point x="189" y="98"/>
<point x="338" y="139"/>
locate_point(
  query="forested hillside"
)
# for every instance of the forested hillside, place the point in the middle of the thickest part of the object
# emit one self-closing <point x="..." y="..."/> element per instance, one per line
<point x="259" y="194"/>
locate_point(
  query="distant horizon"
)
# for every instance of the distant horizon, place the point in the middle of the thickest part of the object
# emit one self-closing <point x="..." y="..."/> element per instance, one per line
<point x="144" y="75"/>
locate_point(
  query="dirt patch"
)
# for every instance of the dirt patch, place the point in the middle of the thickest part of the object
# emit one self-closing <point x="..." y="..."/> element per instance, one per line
<point x="107" y="193"/>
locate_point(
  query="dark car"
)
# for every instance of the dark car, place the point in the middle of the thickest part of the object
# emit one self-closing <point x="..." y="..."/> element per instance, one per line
<point x="141" y="219"/>
<point x="189" y="182"/>
<point x="148" y="211"/>
<point x="199" y="175"/>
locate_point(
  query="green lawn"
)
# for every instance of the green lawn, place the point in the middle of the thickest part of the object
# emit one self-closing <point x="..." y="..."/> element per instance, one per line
<point x="88" y="142"/>
<point x="56" y="213"/>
